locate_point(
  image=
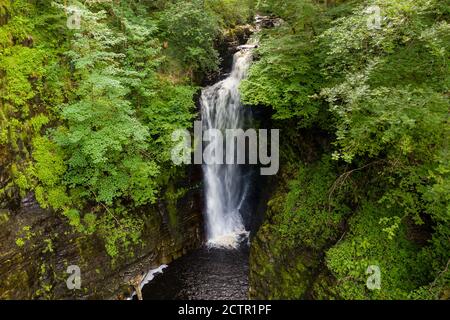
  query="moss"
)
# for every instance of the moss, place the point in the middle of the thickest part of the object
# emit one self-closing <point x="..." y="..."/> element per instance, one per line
<point x="4" y="216"/>
<point x="323" y="287"/>
<point x="11" y="282"/>
<point x="276" y="274"/>
<point x="301" y="224"/>
<point x="171" y="201"/>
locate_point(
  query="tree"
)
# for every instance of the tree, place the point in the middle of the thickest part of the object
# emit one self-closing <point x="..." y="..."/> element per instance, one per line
<point x="193" y="46"/>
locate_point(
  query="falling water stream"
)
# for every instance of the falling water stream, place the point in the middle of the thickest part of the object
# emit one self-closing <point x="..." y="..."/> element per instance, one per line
<point x="219" y="270"/>
<point x="225" y="185"/>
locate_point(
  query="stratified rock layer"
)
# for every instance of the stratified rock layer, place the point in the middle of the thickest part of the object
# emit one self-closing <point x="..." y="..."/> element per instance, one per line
<point x="37" y="268"/>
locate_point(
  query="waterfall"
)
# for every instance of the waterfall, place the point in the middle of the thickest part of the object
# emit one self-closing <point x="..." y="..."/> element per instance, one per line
<point x="225" y="186"/>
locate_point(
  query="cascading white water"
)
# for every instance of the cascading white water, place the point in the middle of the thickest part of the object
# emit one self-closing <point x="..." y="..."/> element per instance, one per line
<point x="225" y="188"/>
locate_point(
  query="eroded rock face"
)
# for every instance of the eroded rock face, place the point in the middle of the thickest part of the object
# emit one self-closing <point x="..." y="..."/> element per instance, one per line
<point x="277" y="273"/>
<point x="280" y="271"/>
<point x="35" y="267"/>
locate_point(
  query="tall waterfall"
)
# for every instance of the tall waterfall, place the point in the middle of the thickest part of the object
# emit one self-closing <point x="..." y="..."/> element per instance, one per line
<point x="225" y="186"/>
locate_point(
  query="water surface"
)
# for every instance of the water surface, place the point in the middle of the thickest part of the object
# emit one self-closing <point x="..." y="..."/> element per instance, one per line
<point x="205" y="274"/>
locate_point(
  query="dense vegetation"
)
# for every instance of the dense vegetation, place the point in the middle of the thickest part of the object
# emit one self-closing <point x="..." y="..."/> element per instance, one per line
<point x="90" y="92"/>
<point x="371" y="182"/>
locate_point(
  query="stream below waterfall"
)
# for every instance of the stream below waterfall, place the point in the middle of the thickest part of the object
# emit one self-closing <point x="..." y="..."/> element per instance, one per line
<point x="205" y="274"/>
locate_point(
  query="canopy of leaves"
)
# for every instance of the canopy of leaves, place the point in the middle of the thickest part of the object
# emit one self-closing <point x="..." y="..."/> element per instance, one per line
<point x="86" y="114"/>
<point x="194" y="46"/>
<point x="384" y="92"/>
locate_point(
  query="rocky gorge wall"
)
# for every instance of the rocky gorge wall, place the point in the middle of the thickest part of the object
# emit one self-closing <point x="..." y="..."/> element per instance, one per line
<point x="36" y="269"/>
<point x="287" y="254"/>
<point x="278" y="273"/>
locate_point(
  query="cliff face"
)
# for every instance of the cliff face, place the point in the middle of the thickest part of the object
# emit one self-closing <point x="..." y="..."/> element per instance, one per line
<point x="287" y="256"/>
<point x="283" y="272"/>
<point x="37" y="267"/>
<point x="277" y="273"/>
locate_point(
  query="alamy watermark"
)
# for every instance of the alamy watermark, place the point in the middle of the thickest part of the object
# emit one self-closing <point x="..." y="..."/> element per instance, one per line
<point x="374" y="280"/>
<point x="228" y="147"/>
<point x="374" y="19"/>
<point x="75" y="13"/>
<point x="73" y="282"/>
<point x="74" y="18"/>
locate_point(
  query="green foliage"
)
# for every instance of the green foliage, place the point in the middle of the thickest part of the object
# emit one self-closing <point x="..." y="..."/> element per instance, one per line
<point x="30" y="89"/>
<point x="121" y="233"/>
<point x="392" y="104"/>
<point x="170" y="108"/>
<point x="401" y="121"/>
<point x="25" y="235"/>
<point x="303" y="220"/>
<point x="86" y="118"/>
<point x="193" y="46"/>
<point x="307" y="216"/>
<point x="285" y="78"/>
<point x="86" y="115"/>
<point x="384" y="93"/>
<point x="117" y="128"/>
<point x="231" y="12"/>
<point x="299" y="14"/>
<point x="369" y="242"/>
<point x="49" y="168"/>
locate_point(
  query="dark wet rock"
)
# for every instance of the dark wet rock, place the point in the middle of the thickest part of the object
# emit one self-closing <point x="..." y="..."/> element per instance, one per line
<point x="247" y="47"/>
<point x="267" y="21"/>
<point x="35" y="267"/>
